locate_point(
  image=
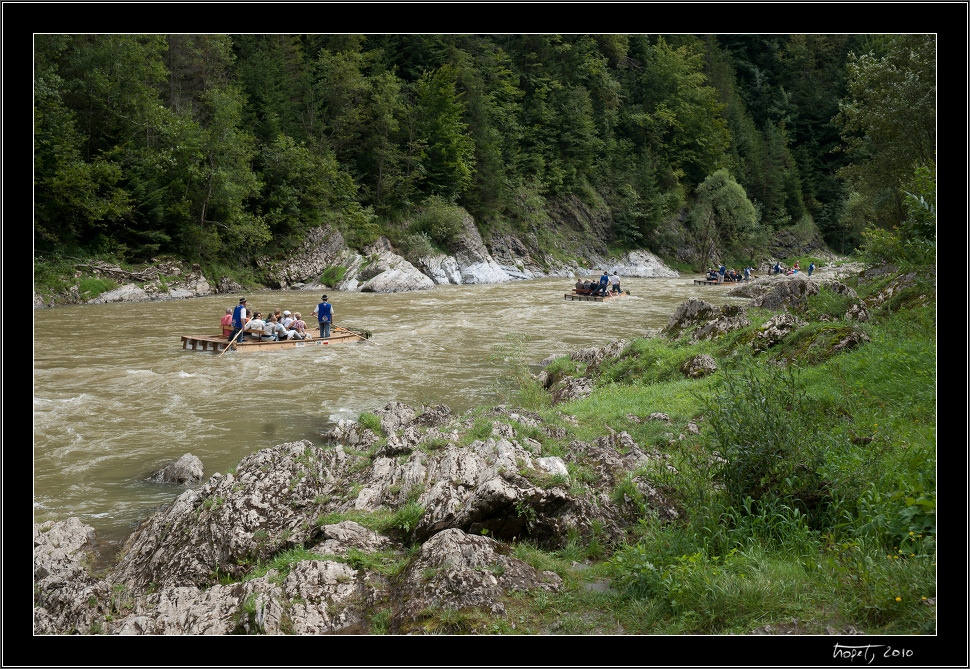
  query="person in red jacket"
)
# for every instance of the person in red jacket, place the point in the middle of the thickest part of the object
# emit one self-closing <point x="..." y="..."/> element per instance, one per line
<point x="227" y="323"/>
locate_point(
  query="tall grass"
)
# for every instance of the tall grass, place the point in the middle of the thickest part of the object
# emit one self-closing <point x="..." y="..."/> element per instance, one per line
<point x="810" y="493"/>
<point x="515" y="384"/>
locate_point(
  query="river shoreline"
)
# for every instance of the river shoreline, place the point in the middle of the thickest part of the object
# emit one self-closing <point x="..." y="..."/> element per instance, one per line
<point x="375" y="486"/>
<point x="428" y="347"/>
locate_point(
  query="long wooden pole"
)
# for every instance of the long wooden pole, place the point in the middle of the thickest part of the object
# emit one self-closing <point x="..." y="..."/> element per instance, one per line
<point x="232" y="340"/>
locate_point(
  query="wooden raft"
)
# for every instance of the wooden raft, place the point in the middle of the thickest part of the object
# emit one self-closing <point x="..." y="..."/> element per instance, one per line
<point x="216" y="343"/>
<point x="589" y="297"/>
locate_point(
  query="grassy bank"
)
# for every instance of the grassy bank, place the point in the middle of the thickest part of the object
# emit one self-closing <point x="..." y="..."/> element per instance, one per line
<point x="807" y="493"/>
<point x="793" y="490"/>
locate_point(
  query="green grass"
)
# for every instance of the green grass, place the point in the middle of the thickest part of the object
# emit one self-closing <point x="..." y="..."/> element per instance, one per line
<point x="824" y="512"/>
<point x="806" y="492"/>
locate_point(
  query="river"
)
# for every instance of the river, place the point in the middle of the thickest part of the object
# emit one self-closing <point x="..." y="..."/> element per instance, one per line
<point x="116" y="396"/>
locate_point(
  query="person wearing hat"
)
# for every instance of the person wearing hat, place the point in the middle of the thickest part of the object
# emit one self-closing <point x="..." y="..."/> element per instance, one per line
<point x="238" y="318"/>
<point x="324" y="312"/>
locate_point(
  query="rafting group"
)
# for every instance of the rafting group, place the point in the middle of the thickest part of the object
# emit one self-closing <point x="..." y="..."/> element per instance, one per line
<point x="790" y="271"/>
<point x="724" y="275"/>
<point x="244" y="324"/>
<point x="607" y="285"/>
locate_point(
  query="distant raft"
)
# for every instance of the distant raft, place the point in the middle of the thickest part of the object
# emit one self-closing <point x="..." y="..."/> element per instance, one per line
<point x="588" y="296"/>
<point x="217" y="342"/>
<point x="725" y="282"/>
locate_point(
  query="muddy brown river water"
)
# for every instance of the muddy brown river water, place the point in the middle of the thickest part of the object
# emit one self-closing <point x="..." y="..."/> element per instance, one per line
<point x="116" y="396"/>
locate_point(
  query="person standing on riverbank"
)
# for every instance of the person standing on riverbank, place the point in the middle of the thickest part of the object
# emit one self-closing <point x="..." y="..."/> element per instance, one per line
<point x="324" y="312"/>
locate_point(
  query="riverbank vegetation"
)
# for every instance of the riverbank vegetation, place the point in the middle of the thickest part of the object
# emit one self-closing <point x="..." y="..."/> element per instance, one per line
<point x="224" y="149"/>
<point x="804" y="492"/>
<point x="806" y="489"/>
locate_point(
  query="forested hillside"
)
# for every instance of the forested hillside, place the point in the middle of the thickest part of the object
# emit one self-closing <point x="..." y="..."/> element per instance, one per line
<point x="226" y="147"/>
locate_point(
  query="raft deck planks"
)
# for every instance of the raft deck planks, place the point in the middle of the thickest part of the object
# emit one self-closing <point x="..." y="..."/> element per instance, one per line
<point x="592" y="298"/>
<point x="219" y="342"/>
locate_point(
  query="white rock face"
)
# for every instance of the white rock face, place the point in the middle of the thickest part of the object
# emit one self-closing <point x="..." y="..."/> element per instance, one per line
<point x="441" y="268"/>
<point x="398" y="280"/>
<point x="486" y="271"/>
<point x="643" y="264"/>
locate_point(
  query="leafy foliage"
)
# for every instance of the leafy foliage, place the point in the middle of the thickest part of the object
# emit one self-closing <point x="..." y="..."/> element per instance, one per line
<point x="223" y="148"/>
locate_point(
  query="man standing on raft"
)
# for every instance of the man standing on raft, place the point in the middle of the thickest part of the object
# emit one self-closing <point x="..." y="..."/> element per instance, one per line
<point x="324" y="312"/>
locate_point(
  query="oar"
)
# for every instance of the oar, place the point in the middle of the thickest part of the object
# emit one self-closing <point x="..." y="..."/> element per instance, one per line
<point x="354" y="333"/>
<point x="231" y="341"/>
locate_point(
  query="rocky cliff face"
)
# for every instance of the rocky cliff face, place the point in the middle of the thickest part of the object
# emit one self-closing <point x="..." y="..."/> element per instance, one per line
<point x="324" y="261"/>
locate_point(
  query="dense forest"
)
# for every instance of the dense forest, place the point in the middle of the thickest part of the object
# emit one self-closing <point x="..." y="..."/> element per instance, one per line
<point x="228" y="147"/>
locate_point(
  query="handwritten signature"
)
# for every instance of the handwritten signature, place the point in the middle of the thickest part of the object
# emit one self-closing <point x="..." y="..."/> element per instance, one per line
<point x="869" y="652"/>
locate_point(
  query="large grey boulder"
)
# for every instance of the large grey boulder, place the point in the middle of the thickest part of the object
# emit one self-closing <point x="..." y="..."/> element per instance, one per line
<point x="691" y="312"/>
<point x="441" y="268"/>
<point x="642" y="264"/>
<point x="323" y="248"/>
<point x="473" y="259"/>
<point x="64" y="589"/>
<point x="184" y="471"/>
<point x="456" y="570"/>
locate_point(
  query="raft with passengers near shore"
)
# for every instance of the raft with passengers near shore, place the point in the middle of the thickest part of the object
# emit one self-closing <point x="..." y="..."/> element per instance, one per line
<point x="218" y="342"/>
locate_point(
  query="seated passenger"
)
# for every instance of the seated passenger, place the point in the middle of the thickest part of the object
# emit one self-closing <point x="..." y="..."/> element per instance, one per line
<point x="256" y="326"/>
<point x="274" y="329"/>
<point x="604" y="284"/>
<point x="298" y="327"/>
<point x="227" y="324"/>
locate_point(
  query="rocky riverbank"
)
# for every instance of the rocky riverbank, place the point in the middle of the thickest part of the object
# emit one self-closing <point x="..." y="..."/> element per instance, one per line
<point x="392" y="520"/>
<point x="324" y="262"/>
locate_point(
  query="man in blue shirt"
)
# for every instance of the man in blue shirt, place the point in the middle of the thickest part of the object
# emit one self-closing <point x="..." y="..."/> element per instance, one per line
<point x="604" y="284"/>
<point x="324" y="312"/>
<point x="238" y="319"/>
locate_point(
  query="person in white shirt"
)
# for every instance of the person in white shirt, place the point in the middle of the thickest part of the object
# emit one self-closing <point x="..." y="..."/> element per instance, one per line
<point x="256" y="325"/>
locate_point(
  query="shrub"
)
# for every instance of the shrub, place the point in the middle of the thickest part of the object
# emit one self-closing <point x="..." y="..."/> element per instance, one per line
<point x="440" y="220"/>
<point x="332" y="275"/>
<point x="406" y="518"/>
<point x="91" y="287"/>
<point x="892" y="247"/>
<point x="371" y="422"/>
<point x="761" y="435"/>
